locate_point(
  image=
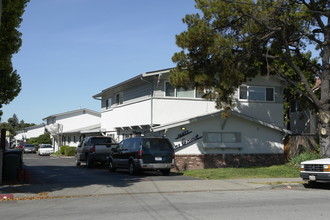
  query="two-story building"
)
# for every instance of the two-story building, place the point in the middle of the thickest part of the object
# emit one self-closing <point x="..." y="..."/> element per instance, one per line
<point x="68" y="128"/>
<point x="30" y="132"/>
<point x="251" y="134"/>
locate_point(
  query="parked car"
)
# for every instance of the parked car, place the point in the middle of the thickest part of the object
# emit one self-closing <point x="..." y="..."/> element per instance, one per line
<point x="45" y="149"/>
<point x="20" y="147"/>
<point x="315" y="170"/>
<point x="94" y="149"/>
<point x="143" y="153"/>
<point x="29" y="148"/>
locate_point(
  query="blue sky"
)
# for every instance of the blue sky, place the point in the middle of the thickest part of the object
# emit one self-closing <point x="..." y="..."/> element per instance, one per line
<point x="73" y="49"/>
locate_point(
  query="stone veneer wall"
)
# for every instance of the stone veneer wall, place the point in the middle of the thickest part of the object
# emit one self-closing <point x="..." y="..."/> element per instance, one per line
<point x="204" y="161"/>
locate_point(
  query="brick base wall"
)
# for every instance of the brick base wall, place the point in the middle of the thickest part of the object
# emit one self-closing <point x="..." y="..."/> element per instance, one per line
<point x="191" y="162"/>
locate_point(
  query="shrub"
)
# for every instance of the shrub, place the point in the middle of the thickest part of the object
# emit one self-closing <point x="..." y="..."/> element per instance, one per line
<point x="62" y="149"/>
<point x="308" y="155"/>
<point x="70" y="151"/>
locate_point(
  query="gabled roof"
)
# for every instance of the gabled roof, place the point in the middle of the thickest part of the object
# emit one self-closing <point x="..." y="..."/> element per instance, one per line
<point x="31" y="128"/>
<point x="140" y="76"/>
<point x="217" y="114"/>
<point x="82" y="110"/>
<point x="87" y="129"/>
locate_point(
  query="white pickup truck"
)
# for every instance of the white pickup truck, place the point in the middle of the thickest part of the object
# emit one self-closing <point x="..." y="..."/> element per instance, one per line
<point x="315" y="170"/>
<point x="94" y="149"/>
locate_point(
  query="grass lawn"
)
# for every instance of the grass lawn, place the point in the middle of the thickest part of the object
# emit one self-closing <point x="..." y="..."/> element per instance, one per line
<point x="278" y="171"/>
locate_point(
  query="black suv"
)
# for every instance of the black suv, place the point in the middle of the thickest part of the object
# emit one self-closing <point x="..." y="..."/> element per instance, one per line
<point x="143" y="153"/>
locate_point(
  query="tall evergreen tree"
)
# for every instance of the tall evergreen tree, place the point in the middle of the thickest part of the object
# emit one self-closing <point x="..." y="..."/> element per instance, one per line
<point x="229" y="42"/>
<point x="10" y="42"/>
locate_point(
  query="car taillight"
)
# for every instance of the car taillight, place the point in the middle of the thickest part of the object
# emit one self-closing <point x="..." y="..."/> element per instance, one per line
<point x="92" y="149"/>
<point x="140" y="154"/>
<point x="173" y="154"/>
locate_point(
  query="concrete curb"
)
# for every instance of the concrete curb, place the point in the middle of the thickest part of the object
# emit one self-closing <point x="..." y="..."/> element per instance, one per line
<point x="46" y="191"/>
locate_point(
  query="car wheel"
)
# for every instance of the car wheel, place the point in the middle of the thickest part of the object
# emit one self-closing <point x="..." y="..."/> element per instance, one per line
<point x="77" y="161"/>
<point x="131" y="169"/>
<point x="89" y="162"/>
<point x="166" y="172"/>
<point x="111" y="166"/>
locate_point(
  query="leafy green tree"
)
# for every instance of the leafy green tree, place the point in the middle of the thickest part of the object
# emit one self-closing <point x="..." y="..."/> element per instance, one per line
<point x="42" y="139"/>
<point x="10" y="42"/>
<point x="229" y="42"/>
<point x="13" y="126"/>
<point x="13" y="121"/>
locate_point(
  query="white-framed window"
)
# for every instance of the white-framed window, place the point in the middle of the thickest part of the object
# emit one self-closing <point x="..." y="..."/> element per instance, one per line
<point x="257" y="93"/>
<point x="170" y="91"/>
<point x="222" y="137"/>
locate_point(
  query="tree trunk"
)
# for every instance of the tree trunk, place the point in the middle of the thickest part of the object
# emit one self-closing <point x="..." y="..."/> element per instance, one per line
<point x="324" y="133"/>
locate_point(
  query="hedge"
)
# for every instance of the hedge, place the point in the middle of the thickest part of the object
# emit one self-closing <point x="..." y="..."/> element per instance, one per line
<point x="70" y="151"/>
<point x="67" y="150"/>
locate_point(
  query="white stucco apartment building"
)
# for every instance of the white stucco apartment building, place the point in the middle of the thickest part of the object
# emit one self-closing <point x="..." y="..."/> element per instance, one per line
<point x="29" y="132"/>
<point x="148" y="104"/>
<point x="70" y="127"/>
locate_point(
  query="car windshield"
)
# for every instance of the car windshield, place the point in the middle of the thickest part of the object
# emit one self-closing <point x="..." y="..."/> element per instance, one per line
<point x="46" y="146"/>
<point x="102" y="140"/>
<point x="158" y="144"/>
<point x="29" y="146"/>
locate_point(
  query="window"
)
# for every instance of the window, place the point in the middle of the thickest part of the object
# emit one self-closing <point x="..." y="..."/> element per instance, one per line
<point x="180" y="92"/>
<point x="108" y="103"/>
<point x="169" y="89"/>
<point x="256" y="93"/>
<point x="222" y="137"/>
<point x="119" y="98"/>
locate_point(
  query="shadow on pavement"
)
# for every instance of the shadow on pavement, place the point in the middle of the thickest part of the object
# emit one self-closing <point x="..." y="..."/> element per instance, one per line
<point x="317" y="185"/>
<point x="49" y="178"/>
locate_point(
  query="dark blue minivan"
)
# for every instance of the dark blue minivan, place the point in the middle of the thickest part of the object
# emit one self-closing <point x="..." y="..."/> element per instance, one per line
<point x="143" y="153"/>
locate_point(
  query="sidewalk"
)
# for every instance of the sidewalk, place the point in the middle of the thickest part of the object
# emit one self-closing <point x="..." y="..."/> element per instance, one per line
<point x="27" y="191"/>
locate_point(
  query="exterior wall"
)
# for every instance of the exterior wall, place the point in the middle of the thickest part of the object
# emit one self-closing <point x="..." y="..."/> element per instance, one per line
<point x="36" y="132"/>
<point x="166" y="110"/>
<point x="131" y="93"/>
<point x="143" y="106"/>
<point x="70" y="121"/>
<point x="270" y="112"/>
<point x="19" y="135"/>
<point x="191" y="162"/>
<point x="71" y="139"/>
<point x="30" y="132"/>
<point x="136" y="113"/>
<point x="258" y="145"/>
<point x="77" y="120"/>
<point x="255" y="138"/>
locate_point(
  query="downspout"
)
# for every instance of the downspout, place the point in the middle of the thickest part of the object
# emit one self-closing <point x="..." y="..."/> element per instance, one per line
<point x="151" y="102"/>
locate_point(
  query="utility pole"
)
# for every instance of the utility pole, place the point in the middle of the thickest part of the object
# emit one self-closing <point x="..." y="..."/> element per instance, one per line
<point x="2" y="149"/>
<point x="0" y="11"/>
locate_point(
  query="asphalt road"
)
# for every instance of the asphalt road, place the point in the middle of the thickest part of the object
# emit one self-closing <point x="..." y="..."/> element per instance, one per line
<point x="54" y="170"/>
<point x="262" y="203"/>
<point x="253" y="204"/>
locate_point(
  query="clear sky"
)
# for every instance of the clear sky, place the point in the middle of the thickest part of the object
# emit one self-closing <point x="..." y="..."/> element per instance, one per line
<point x="73" y="49"/>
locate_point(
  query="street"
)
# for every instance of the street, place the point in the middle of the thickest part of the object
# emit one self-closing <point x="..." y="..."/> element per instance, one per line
<point x="265" y="204"/>
<point x="81" y="193"/>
